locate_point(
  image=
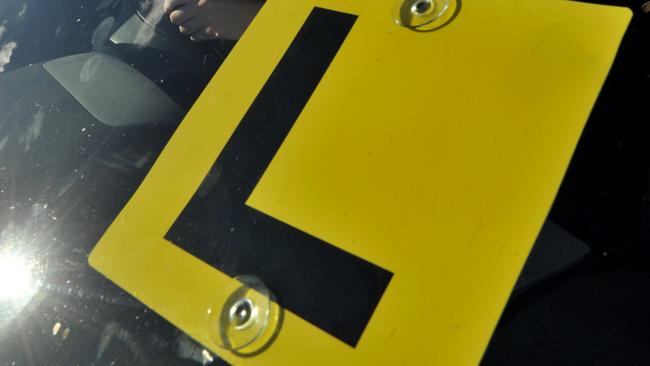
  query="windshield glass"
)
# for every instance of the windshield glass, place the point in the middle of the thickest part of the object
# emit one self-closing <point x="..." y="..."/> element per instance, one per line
<point x="90" y="92"/>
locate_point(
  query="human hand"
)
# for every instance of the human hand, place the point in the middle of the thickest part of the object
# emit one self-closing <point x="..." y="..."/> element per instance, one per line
<point x="212" y="19"/>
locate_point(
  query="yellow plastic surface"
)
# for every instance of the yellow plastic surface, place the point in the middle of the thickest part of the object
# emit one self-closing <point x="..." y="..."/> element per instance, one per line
<point x="434" y="155"/>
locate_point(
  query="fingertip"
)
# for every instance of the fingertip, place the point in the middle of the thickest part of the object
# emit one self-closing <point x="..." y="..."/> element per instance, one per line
<point x="211" y="33"/>
<point x="170" y="5"/>
<point x="196" y="38"/>
<point x="175" y="17"/>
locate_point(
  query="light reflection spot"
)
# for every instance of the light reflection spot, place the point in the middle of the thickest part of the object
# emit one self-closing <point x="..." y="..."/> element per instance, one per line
<point x="16" y="278"/>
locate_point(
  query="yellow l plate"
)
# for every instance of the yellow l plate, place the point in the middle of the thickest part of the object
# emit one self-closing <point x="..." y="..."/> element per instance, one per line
<point x="432" y="155"/>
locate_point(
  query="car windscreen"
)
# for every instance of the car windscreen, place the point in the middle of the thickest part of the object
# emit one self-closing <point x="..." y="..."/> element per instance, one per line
<point x="90" y="93"/>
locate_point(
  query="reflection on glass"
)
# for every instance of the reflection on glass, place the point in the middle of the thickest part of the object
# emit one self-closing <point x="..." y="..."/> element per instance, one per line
<point x="65" y="174"/>
<point x="16" y="279"/>
<point x="18" y="285"/>
<point x="6" y="50"/>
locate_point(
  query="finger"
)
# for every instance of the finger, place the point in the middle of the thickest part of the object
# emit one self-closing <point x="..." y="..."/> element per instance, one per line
<point x="170" y="5"/>
<point x="184" y="14"/>
<point x="193" y="26"/>
<point x="198" y="36"/>
<point x="211" y="32"/>
<point x="204" y="34"/>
